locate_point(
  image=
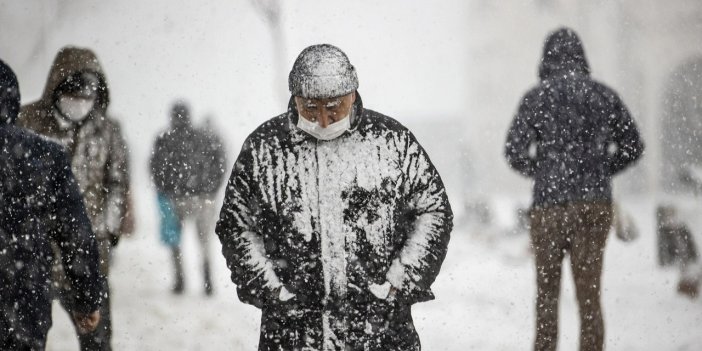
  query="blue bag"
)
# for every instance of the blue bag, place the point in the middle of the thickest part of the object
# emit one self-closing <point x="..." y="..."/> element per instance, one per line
<point x="170" y="223"/>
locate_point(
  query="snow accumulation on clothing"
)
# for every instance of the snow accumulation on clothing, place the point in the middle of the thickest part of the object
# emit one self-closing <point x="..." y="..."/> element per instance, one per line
<point x="333" y="219"/>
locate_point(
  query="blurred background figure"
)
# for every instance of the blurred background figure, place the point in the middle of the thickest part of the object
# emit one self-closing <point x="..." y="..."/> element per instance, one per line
<point x="73" y="112"/>
<point x="690" y="279"/>
<point x="187" y="168"/>
<point x="571" y="134"/>
<point x="676" y="245"/>
<point x="40" y="203"/>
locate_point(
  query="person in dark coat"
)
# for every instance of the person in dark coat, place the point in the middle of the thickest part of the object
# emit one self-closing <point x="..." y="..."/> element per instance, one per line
<point x="188" y="168"/>
<point x="39" y="204"/>
<point x="571" y="135"/>
<point x="335" y="222"/>
<point x="676" y="244"/>
<point x="72" y="111"/>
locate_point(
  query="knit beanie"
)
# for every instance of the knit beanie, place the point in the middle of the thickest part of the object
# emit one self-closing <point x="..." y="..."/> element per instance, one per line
<point x="322" y="71"/>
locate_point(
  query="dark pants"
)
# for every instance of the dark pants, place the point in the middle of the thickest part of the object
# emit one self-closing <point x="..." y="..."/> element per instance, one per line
<point x="581" y="230"/>
<point x="13" y="344"/>
<point x="100" y="338"/>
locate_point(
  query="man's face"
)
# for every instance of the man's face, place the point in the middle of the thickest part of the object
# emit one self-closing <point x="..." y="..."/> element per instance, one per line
<point x="325" y="111"/>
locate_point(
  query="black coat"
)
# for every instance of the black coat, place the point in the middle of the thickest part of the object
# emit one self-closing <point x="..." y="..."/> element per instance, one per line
<point x="39" y="204"/>
<point x="326" y="219"/>
<point x="188" y="161"/>
<point x="571" y="134"/>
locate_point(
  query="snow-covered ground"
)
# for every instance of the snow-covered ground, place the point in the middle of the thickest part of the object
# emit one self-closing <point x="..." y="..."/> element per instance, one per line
<point x="484" y="296"/>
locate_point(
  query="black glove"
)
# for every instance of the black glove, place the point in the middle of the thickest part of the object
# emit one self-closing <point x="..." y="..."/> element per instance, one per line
<point x="114" y="239"/>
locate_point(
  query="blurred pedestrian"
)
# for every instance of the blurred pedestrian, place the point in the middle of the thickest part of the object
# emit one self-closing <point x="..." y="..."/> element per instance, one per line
<point x="690" y="280"/>
<point x="335" y="222"/>
<point x="40" y="203"/>
<point x="188" y="167"/>
<point x="676" y="244"/>
<point x="73" y="112"/>
<point x="571" y="134"/>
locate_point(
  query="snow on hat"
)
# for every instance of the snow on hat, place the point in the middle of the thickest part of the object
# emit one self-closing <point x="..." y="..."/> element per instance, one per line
<point x="322" y="71"/>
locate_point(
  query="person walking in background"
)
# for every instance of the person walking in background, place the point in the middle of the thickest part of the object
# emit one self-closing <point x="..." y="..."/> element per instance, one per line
<point x="73" y="112"/>
<point x="335" y="222"/>
<point x="40" y="203"/>
<point x="187" y="167"/>
<point x="571" y="135"/>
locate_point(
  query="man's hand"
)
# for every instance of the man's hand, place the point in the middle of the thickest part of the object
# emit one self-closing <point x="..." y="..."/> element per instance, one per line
<point x="383" y="291"/>
<point x="114" y="239"/>
<point x="689" y="288"/>
<point x="86" y="323"/>
<point x="284" y="294"/>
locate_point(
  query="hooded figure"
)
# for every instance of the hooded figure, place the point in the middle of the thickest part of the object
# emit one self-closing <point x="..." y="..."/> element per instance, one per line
<point x="333" y="232"/>
<point x="39" y="204"/>
<point x="571" y="135"/>
<point x="72" y="111"/>
<point x="187" y="160"/>
<point x="187" y="167"/>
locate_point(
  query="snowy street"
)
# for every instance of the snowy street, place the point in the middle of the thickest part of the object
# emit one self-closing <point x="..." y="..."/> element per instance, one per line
<point x="484" y="293"/>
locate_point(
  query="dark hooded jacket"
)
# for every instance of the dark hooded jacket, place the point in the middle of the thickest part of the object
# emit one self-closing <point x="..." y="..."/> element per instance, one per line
<point x="39" y="203"/>
<point x="97" y="148"/>
<point x="187" y="161"/>
<point x="571" y="134"/>
<point x="326" y="220"/>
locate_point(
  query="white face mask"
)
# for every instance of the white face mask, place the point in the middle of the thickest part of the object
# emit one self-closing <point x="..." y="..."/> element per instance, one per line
<point x="332" y="131"/>
<point x="75" y="109"/>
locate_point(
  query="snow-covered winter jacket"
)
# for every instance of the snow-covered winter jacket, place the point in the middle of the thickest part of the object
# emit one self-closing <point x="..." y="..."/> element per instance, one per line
<point x="97" y="148"/>
<point x="571" y="134"/>
<point x="188" y="161"/>
<point x="39" y="204"/>
<point x="326" y="220"/>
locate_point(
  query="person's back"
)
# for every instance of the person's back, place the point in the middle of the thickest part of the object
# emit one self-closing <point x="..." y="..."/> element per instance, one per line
<point x="39" y="204"/>
<point x="582" y="132"/>
<point x="571" y="135"/>
<point x="173" y="164"/>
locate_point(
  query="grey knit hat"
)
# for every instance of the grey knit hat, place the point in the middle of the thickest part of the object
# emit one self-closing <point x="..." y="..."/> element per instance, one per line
<point x="322" y="71"/>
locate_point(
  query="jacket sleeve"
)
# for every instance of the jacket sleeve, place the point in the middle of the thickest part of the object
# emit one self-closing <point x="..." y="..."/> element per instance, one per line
<point x="242" y="246"/>
<point x="156" y="164"/>
<point x="75" y="238"/>
<point x="116" y="184"/>
<point x="215" y="163"/>
<point x="520" y="137"/>
<point x="220" y="162"/>
<point x="628" y="146"/>
<point x="419" y="260"/>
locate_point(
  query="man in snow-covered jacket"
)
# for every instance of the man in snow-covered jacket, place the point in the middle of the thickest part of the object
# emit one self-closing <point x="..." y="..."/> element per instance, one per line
<point x="571" y="135"/>
<point x="335" y="221"/>
<point x="73" y="112"/>
<point x="39" y="204"/>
